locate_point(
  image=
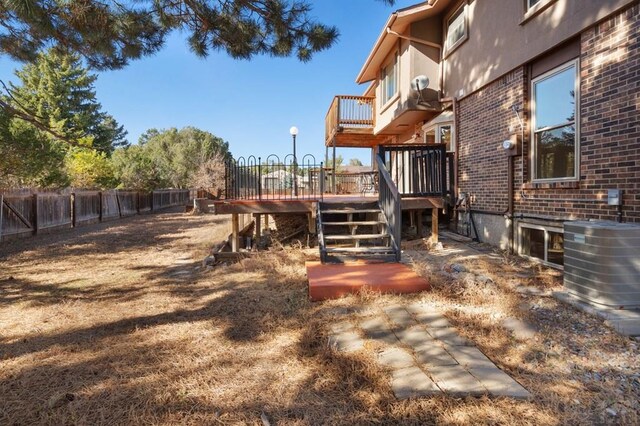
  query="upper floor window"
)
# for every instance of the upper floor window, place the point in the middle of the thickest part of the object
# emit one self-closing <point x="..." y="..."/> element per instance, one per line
<point x="456" y="28"/>
<point x="531" y="3"/>
<point x="389" y="81"/>
<point x="554" y="106"/>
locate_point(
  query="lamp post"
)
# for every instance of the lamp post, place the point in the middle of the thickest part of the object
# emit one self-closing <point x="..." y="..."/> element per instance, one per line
<point x="294" y="132"/>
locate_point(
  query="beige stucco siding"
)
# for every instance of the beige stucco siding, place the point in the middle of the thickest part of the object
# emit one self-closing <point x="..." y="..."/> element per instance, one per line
<point x="415" y="59"/>
<point x="499" y="41"/>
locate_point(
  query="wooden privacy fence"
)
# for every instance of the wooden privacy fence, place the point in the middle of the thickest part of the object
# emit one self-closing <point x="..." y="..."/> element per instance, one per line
<point x="29" y="213"/>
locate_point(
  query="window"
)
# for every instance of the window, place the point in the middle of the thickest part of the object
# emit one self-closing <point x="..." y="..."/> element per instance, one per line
<point x="446" y="137"/>
<point x="531" y="3"/>
<point x="441" y="133"/>
<point x="456" y="29"/>
<point x="546" y="244"/>
<point x="554" y="106"/>
<point x="389" y="81"/>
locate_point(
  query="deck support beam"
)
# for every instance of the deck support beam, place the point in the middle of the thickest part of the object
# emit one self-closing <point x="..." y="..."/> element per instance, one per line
<point x="434" y="226"/>
<point x="257" y="218"/>
<point x="235" y="231"/>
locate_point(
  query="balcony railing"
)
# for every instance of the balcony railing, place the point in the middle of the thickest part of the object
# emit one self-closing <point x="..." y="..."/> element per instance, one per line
<point x="417" y="170"/>
<point x="349" y="112"/>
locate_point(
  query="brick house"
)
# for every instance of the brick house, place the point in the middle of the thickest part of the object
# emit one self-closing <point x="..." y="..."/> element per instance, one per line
<point x="536" y="101"/>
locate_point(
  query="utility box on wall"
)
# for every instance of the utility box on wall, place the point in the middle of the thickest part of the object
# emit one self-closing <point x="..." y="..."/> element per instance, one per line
<point x="602" y="262"/>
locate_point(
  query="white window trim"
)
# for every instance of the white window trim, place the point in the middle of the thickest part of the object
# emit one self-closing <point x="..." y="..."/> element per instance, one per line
<point x="385" y="104"/>
<point x="576" y="168"/>
<point x="436" y="129"/>
<point x="546" y="230"/>
<point x="465" y="10"/>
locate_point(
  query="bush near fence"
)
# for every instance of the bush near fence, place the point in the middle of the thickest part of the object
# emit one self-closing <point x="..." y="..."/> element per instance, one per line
<point x="26" y="212"/>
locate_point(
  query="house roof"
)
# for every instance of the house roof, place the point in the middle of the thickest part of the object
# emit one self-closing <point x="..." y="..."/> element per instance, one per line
<point x="398" y="22"/>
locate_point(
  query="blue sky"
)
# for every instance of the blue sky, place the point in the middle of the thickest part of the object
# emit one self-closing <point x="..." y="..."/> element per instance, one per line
<point x="250" y="104"/>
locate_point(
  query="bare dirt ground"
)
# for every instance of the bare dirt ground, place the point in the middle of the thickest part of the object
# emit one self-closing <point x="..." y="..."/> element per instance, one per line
<point x="119" y="324"/>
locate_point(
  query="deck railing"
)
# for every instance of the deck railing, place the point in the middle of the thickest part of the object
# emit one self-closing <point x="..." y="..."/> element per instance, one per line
<point x="274" y="179"/>
<point x="389" y="201"/>
<point x="360" y="183"/>
<point x="417" y="170"/>
<point x="345" y="111"/>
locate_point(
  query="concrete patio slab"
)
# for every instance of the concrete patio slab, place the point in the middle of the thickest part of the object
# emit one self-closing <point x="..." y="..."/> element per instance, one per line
<point x="395" y="358"/>
<point x="433" y="355"/>
<point x="498" y="382"/>
<point x="414" y="336"/>
<point x="399" y="316"/>
<point x="430" y="360"/>
<point x="455" y="380"/>
<point x="378" y="329"/>
<point x="624" y="321"/>
<point x="412" y="382"/>
<point x="449" y="336"/>
<point x="469" y="356"/>
<point x="346" y="341"/>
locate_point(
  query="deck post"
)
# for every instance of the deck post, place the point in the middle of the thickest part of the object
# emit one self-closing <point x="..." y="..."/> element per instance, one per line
<point x="434" y="225"/>
<point x="333" y="172"/>
<point x="266" y="221"/>
<point x="257" y="218"/>
<point x="235" y="225"/>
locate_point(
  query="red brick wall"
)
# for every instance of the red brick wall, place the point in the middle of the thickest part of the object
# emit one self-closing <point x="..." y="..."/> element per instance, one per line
<point x="609" y="132"/>
<point x="484" y="119"/>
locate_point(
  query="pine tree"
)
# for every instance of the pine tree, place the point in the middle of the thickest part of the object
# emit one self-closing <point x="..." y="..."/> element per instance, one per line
<point x="110" y="34"/>
<point x="60" y="93"/>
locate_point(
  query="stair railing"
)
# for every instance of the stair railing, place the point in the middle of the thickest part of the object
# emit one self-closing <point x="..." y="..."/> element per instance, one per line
<point x="389" y="201"/>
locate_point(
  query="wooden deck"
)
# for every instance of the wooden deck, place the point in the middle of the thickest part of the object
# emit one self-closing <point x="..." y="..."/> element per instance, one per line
<point x="260" y="209"/>
<point x="308" y="205"/>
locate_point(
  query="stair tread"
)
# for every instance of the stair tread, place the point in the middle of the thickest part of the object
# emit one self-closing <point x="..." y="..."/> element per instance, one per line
<point x="359" y="250"/>
<point x="347" y="211"/>
<point x="355" y="222"/>
<point x="355" y="237"/>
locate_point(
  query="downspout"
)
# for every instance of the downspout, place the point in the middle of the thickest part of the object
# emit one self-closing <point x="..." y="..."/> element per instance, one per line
<point x="456" y="135"/>
<point x="510" y="206"/>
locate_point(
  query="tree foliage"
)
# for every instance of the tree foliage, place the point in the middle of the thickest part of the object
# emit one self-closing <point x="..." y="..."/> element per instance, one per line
<point x="355" y="162"/>
<point x="109" y="34"/>
<point x="60" y="93"/>
<point x="56" y="94"/>
<point x="28" y="157"/>
<point x="168" y="158"/>
<point x="90" y="169"/>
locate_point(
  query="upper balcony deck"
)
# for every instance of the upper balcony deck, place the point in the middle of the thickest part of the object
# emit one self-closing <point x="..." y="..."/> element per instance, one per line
<point x="350" y="121"/>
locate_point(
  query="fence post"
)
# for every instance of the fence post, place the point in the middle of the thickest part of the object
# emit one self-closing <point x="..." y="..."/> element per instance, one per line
<point x="73" y="209"/>
<point x="100" y="206"/>
<point x="259" y="178"/>
<point x="118" y="203"/>
<point x="1" y="213"/>
<point x="34" y="211"/>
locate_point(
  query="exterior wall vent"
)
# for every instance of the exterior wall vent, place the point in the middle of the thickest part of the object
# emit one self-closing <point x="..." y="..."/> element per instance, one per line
<point x="602" y="262"/>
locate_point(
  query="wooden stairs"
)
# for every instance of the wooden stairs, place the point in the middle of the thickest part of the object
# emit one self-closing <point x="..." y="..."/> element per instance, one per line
<point x="353" y="231"/>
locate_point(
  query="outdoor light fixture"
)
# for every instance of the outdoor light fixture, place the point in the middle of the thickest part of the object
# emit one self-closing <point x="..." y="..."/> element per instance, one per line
<point x="294" y="132"/>
<point x="508" y="144"/>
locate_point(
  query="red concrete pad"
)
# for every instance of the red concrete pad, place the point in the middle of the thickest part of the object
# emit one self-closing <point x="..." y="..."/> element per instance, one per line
<point x="331" y="281"/>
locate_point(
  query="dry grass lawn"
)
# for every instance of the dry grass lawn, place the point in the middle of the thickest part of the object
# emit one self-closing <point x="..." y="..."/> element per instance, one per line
<point x="117" y="324"/>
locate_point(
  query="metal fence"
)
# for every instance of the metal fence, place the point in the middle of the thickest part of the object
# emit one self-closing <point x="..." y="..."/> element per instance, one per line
<point x="274" y="179"/>
<point x="24" y="211"/>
